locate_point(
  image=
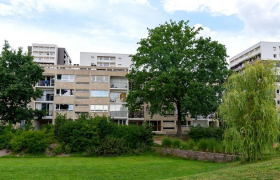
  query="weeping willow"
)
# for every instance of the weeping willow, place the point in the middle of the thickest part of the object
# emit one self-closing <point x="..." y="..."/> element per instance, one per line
<point x="248" y="111"/>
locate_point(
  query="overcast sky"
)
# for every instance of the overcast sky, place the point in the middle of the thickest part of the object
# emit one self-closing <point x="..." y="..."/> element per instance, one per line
<point x="117" y="25"/>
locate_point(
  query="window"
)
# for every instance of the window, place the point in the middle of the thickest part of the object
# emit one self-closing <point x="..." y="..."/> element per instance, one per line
<point x="103" y="79"/>
<point x="65" y="77"/>
<point x="168" y="128"/>
<point x="274" y="55"/>
<point x="99" y="108"/>
<point x="274" y="48"/>
<point x="82" y="90"/>
<point x="118" y="107"/>
<point x="64" y="107"/>
<point x="65" y="92"/>
<point x="278" y="91"/>
<point x="278" y="102"/>
<point x="147" y="110"/>
<point x="185" y="123"/>
<point x="98" y="93"/>
<point x="92" y="56"/>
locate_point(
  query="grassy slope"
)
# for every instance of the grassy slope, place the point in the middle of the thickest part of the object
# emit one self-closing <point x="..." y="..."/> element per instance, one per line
<point x="268" y="169"/>
<point x="133" y="167"/>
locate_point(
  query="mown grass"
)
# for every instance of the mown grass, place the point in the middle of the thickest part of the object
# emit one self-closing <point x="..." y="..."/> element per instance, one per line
<point x="133" y="167"/>
<point x="130" y="167"/>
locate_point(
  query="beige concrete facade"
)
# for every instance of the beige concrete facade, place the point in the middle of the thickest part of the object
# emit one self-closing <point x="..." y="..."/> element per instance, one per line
<point x="72" y="90"/>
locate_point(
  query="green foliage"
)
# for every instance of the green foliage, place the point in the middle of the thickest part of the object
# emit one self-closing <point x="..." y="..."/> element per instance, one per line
<point x="176" y="143"/>
<point x="166" y="142"/>
<point x="111" y="146"/>
<point x="6" y="134"/>
<point x="173" y="69"/>
<point x="18" y="74"/>
<point x="58" y="149"/>
<point x="211" y="144"/>
<point x="199" y="132"/>
<point x="191" y="144"/>
<point x="17" y="143"/>
<point x="249" y="111"/>
<point x="88" y="134"/>
<point x="202" y="145"/>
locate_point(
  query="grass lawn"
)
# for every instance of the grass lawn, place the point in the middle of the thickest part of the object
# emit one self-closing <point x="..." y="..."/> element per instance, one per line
<point x="133" y="167"/>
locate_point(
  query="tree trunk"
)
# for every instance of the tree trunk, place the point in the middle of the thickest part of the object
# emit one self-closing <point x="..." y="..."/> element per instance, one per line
<point x="179" y="121"/>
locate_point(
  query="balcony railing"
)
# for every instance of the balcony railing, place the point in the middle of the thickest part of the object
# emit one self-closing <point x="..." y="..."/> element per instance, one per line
<point x="46" y="83"/>
<point x="118" y="114"/>
<point x="138" y="114"/>
<point x="119" y="85"/>
<point x="48" y="97"/>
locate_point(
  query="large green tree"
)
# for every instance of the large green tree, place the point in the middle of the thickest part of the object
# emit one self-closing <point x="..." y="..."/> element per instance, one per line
<point x="175" y="69"/>
<point x="18" y="75"/>
<point x="249" y="111"/>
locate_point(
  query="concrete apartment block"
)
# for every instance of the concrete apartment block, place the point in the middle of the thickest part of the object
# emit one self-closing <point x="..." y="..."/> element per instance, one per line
<point x="97" y="86"/>
<point x="49" y="54"/>
<point x="104" y="59"/>
<point x="262" y="50"/>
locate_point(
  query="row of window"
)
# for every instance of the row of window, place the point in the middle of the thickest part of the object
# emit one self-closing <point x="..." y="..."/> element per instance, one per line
<point x="94" y="108"/>
<point x="93" y="93"/>
<point x="70" y="78"/>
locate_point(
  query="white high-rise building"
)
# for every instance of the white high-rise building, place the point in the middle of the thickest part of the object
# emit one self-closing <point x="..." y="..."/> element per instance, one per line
<point x="105" y="59"/>
<point x="262" y="50"/>
<point x="49" y="54"/>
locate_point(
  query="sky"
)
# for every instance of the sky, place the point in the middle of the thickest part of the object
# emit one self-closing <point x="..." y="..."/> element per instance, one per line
<point x="115" y="26"/>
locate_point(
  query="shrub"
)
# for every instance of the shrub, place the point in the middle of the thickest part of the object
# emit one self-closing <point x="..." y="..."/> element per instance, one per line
<point x="219" y="148"/>
<point x="166" y="142"/>
<point x="211" y="144"/>
<point x="185" y="146"/>
<point x="6" y="135"/>
<point x="67" y="149"/>
<point x="198" y="132"/>
<point x="202" y="145"/>
<point x="191" y="144"/>
<point x="58" y="149"/>
<point x="176" y="143"/>
<point x="36" y="141"/>
<point x="17" y="143"/>
<point x="111" y="146"/>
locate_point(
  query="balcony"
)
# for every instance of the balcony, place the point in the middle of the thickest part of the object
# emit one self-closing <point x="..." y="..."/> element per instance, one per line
<point x="45" y="83"/>
<point x="118" y="85"/>
<point x="122" y="114"/>
<point x="136" y="114"/>
<point x="48" y="97"/>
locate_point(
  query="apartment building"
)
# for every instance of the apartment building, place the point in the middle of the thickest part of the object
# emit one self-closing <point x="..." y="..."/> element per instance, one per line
<point x="99" y="89"/>
<point x="262" y="50"/>
<point x="49" y="54"/>
<point x="105" y="59"/>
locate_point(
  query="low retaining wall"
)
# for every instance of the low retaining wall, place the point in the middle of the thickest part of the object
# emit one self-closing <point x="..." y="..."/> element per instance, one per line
<point x="201" y="156"/>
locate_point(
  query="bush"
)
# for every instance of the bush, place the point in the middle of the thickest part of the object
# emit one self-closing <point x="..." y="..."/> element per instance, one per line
<point x="88" y="134"/>
<point x="211" y="144"/>
<point x="58" y="149"/>
<point x="67" y="149"/>
<point x="202" y="145"/>
<point x="111" y="146"/>
<point x="17" y="143"/>
<point x="185" y="146"/>
<point x="6" y="135"/>
<point x="198" y="132"/>
<point x="35" y="141"/>
<point x="191" y="144"/>
<point x="219" y="148"/>
<point x="176" y="143"/>
<point x="166" y="142"/>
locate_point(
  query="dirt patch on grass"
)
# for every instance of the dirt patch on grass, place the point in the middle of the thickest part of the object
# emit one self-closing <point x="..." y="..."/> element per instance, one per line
<point x="5" y="152"/>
